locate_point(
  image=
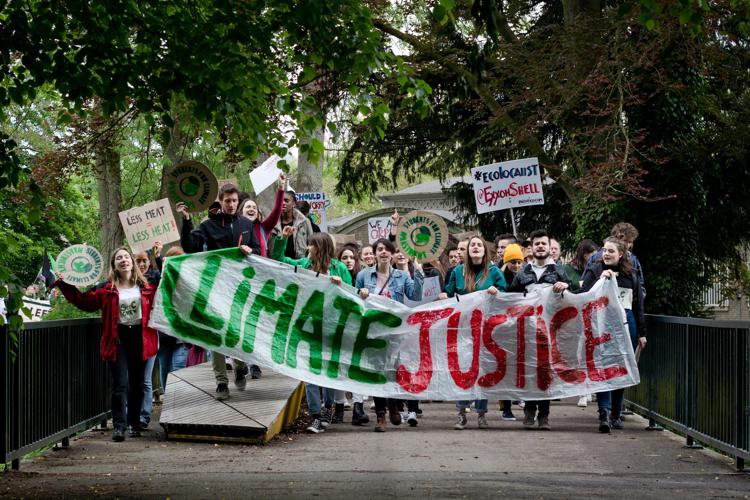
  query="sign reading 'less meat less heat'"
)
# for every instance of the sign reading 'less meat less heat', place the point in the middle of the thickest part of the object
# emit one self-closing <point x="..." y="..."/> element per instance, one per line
<point x="422" y="235"/>
<point x="192" y="183"/>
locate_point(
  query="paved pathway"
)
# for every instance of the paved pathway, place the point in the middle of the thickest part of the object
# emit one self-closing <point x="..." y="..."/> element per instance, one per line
<point x="432" y="460"/>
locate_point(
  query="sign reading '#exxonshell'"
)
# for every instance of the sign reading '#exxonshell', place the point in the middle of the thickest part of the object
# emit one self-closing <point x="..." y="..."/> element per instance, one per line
<point x="422" y="235"/>
<point x="192" y="183"/>
<point x="80" y="265"/>
<point x="509" y="184"/>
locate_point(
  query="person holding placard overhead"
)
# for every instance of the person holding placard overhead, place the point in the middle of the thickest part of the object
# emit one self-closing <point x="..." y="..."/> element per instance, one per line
<point x="223" y="228"/>
<point x="127" y="341"/>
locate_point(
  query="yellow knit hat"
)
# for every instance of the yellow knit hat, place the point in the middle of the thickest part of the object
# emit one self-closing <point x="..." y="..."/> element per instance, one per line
<point x="512" y="252"/>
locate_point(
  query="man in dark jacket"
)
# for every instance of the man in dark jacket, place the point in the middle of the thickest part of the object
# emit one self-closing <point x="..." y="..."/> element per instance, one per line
<point x="222" y="229"/>
<point x="540" y="272"/>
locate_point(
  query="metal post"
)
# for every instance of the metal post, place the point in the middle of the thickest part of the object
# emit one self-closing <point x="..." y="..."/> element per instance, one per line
<point x="513" y="221"/>
<point x="690" y="443"/>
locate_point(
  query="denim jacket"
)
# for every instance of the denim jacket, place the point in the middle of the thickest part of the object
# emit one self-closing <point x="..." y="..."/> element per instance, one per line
<point x="399" y="284"/>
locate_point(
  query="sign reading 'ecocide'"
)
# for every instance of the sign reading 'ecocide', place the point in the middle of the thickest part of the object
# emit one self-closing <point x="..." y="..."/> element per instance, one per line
<point x="508" y="346"/>
<point x="509" y="184"/>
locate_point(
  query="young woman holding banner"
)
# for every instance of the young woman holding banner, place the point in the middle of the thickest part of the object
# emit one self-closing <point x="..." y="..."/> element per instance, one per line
<point x="127" y="342"/>
<point x="478" y="272"/>
<point x="320" y="251"/>
<point x="615" y="263"/>
<point x="383" y="279"/>
<point x="348" y="254"/>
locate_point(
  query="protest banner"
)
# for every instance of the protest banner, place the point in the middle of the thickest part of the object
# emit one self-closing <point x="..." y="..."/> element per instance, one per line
<point x="422" y="235"/>
<point x="149" y="223"/>
<point x="378" y="227"/>
<point x="37" y="308"/>
<point x="80" y="265"/>
<point x="541" y="345"/>
<point x="318" y="208"/>
<point x="192" y="183"/>
<point x="430" y="292"/>
<point x="509" y="184"/>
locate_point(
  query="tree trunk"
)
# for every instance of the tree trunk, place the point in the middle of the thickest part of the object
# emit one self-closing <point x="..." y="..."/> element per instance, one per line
<point x="108" y="181"/>
<point x="309" y="174"/>
<point x="574" y="8"/>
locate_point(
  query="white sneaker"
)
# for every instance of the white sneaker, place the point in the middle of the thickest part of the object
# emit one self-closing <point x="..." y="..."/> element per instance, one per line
<point x="404" y="416"/>
<point x="582" y="402"/>
<point x="411" y="418"/>
<point x="522" y="404"/>
<point x="589" y="398"/>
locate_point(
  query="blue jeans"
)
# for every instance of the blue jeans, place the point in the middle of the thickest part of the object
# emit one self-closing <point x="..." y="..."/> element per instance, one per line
<point x="127" y="372"/>
<point x="171" y="357"/>
<point x="148" y="393"/>
<point x="312" y="392"/>
<point x="479" y="404"/>
<point x="608" y="400"/>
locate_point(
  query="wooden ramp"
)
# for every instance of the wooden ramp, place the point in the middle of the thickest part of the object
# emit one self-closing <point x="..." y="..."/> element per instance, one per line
<point x="257" y="414"/>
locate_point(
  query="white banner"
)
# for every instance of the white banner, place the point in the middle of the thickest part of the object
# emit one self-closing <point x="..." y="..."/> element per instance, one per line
<point x="509" y="346"/>
<point x="37" y="308"/>
<point x="509" y="184"/>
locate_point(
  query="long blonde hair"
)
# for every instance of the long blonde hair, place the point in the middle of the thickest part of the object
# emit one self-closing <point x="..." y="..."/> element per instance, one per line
<point x="136" y="277"/>
<point x="469" y="276"/>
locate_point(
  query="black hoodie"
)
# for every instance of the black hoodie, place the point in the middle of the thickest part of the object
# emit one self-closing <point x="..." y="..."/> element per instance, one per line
<point x="219" y="231"/>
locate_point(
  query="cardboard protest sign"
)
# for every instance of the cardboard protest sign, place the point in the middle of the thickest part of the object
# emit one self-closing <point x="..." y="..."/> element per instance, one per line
<point x="541" y="345"/>
<point x="192" y="183"/>
<point x="422" y="235"/>
<point x="508" y="184"/>
<point x="80" y="265"/>
<point x="430" y="292"/>
<point x="148" y="224"/>
<point x="38" y="309"/>
<point x="265" y="174"/>
<point x="318" y="207"/>
<point x="378" y="227"/>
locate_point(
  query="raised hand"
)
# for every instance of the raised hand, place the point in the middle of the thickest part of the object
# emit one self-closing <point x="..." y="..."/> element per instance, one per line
<point x="183" y="209"/>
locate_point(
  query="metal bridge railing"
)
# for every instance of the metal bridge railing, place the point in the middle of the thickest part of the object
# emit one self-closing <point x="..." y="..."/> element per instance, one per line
<point x="695" y="379"/>
<point x="56" y="386"/>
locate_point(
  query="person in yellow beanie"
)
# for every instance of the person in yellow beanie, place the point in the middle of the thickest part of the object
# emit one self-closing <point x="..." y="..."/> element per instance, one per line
<point x="513" y="261"/>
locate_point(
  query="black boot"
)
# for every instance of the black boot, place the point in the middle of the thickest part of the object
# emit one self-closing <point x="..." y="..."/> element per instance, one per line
<point x="359" y="417"/>
<point x="604" y="426"/>
<point x="338" y="414"/>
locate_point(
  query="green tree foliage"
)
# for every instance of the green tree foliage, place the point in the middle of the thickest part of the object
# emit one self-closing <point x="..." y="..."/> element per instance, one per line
<point x="636" y="110"/>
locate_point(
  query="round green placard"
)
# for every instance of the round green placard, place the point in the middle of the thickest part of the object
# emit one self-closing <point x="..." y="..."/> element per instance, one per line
<point x="192" y="183"/>
<point x="422" y="235"/>
<point x="80" y="265"/>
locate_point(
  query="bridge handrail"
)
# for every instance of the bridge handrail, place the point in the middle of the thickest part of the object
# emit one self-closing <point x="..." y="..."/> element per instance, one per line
<point x="56" y="386"/>
<point x="695" y="379"/>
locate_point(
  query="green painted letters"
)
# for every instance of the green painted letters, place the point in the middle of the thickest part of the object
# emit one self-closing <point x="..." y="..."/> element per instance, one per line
<point x="372" y="316"/>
